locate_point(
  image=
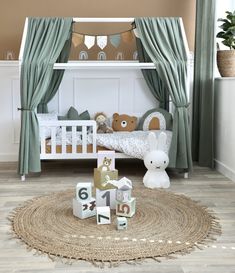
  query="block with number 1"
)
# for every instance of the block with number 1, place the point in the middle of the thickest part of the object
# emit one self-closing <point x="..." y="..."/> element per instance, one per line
<point x="106" y="198"/>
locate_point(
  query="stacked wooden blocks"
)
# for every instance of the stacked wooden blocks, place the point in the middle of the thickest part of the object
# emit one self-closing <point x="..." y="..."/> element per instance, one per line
<point x="111" y="194"/>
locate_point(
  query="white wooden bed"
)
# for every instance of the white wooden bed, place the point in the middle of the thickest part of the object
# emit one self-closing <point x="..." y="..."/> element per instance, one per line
<point x="73" y="150"/>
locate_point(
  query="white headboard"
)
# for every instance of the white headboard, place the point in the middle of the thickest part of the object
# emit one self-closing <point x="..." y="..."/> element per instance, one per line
<point x="109" y="91"/>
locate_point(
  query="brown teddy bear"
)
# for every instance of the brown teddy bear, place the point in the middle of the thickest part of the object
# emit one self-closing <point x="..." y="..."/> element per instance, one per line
<point x="124" y="122"/>
<point x="102" y="123"/>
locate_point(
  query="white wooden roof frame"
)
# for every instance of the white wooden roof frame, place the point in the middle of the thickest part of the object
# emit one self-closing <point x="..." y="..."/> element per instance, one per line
<point x="101" y="64"/>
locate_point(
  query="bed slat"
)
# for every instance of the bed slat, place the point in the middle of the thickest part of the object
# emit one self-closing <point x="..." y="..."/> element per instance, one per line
<point x="74" y="140"/>
<point x="63" y="139"/>
<point x="84" y="139"/>
<point x="43" y="140"/>
<point x="53" y="140"/>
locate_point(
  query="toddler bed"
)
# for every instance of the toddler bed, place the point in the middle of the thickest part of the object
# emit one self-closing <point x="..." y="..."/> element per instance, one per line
<point x="85" y="144"/>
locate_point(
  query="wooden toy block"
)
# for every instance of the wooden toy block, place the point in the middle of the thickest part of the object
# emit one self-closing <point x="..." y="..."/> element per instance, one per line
<point x="126" y="209"/>
<point x="106" y="198"/>
<point x="123" y="195"/>
<point x="121" y="223"/>
<point x="84" y="209"/>
<point x="103" y="215"/>
<point x="101" y="179"/>
<point x="106" y="160"/>
<point x="83" y="191"/>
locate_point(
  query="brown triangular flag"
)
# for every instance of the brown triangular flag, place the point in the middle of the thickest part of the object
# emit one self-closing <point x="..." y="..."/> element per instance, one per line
<point x="77" y="39"/>
<point x="127" y="37"/>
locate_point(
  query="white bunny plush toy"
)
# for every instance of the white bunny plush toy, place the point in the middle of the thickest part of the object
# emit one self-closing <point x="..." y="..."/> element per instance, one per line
<point x="156" y="161"/>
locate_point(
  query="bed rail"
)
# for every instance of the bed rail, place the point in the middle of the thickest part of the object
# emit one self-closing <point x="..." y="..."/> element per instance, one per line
<point x="60" y="150"/>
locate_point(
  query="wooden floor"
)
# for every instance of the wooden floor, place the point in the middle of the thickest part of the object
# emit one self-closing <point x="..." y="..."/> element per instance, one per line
<point x="205" y="185"/>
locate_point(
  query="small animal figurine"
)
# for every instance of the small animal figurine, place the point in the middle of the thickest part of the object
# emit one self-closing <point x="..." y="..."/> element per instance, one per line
<point x="105" y="165"/>
<point x="102" y="123"/>
<point x="156" y="161"/>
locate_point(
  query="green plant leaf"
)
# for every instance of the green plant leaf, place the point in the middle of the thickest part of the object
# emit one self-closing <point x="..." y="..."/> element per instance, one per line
<point x="231" y="28"/>
<point x="222" y="20"/>
<point x="225" y="26"/>
<point x="228" y="12"/>
<point x="220" y="34"/>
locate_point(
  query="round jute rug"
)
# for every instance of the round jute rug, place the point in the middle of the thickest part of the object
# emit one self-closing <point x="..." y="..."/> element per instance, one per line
<point x="164" y="224"/>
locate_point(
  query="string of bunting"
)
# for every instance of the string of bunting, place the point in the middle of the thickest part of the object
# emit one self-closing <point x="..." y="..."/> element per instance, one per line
<point x="102" y="40"/>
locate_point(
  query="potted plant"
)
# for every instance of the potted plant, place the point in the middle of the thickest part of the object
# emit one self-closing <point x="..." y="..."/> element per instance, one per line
<point x="226" y="58"/>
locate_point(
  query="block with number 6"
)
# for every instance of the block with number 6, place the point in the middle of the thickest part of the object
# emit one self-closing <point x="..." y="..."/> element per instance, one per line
<point x="84" y="209"/>
<point x="103" y="215"/>
<point x="83" y="191"/>
<point x="106" y="198"/>
<point x="126" y="209"/>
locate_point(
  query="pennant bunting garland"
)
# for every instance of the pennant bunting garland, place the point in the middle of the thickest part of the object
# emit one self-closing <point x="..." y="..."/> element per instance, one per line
<point x="115" y="40"/>
<point x="127" y="37"/>
<point x="102" y="41"/>
<point x="77" y="39"/>
<point x="89" y="41"/>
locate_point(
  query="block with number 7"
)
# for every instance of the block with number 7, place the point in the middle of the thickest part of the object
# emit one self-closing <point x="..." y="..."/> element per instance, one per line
<point x="126" y="209"/>
<point x="103" y="215"/>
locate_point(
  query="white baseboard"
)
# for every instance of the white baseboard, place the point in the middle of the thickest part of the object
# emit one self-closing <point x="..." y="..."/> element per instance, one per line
<point x="225" y="170"/>
<point x="8" y="157"/>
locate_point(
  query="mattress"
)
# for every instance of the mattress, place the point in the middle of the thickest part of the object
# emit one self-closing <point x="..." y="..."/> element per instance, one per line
<point x="134" y="143"/>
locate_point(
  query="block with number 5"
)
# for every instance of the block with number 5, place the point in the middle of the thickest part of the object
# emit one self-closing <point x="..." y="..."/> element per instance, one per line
<point x="84" y="209"/>
<point x="126" y="209"/>
<point x="83" y="191"/>
<point x="103" y="215"/>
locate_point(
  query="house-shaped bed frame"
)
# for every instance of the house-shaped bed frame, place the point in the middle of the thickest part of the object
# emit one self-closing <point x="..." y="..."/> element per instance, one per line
<point x="84" y="153"/>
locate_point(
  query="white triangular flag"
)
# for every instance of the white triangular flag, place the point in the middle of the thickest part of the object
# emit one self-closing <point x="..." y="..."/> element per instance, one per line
<point x="89" y="41"/>
<point x="102" y="41"/>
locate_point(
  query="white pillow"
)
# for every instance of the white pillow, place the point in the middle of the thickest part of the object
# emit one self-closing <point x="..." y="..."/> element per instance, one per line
<point x="47" y="117"/>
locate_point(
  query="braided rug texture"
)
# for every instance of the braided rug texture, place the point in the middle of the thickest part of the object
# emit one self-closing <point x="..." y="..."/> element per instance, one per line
<point x="164" y="224"/>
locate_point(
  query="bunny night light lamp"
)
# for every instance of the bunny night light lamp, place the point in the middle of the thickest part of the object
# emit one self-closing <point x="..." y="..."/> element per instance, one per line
<point x="156" y="161"/>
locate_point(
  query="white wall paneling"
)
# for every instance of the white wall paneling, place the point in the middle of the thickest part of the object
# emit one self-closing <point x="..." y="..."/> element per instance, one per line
<point x="9" y="121"/>
<point x="104" y="90"/>
<point x="224" y="126"/>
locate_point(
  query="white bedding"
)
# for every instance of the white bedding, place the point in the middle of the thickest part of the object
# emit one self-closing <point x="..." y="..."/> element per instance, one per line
<point x="130" y="143"/>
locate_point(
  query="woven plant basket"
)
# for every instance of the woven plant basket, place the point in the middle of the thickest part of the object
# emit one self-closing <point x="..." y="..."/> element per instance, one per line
<point x="226" y="62"/>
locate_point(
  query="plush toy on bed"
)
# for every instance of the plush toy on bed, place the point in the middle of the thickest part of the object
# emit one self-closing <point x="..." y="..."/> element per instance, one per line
<point x="102" y="123"/>
<point x="156" y="161"/>
<point x="122" y="123"/>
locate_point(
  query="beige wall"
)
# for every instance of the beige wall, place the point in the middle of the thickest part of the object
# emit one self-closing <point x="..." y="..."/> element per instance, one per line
<point x="13" y="13"/>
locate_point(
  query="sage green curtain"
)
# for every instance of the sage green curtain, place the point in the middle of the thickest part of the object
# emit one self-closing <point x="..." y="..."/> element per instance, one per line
<point x="152" y="78"/>
<point x="45" y="40"/>
<point x="203" y="91"/>
<point x="56" y="79"/>
<point x="163" y="41"/>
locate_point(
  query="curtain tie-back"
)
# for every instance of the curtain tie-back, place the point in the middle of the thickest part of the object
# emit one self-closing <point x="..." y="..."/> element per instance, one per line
<point x="182" y="105"/>
<point x="24" y="109"/>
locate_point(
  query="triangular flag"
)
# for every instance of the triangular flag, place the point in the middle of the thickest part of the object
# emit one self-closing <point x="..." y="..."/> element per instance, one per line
<point x="101" y="41"/>
<point x="77" y="39"/>
<point x="136" y="33"/>
<point x="127" y="37"/>
<point x="89" y="41"/>
<point x="115" y="40"/>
